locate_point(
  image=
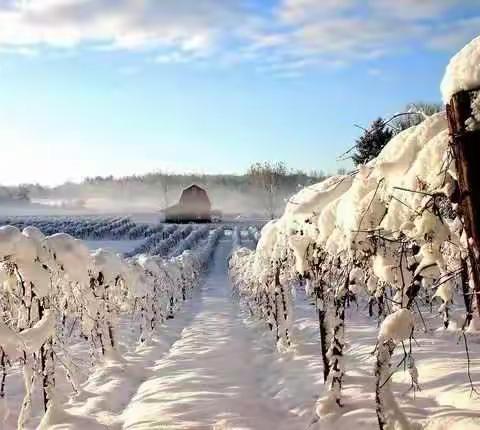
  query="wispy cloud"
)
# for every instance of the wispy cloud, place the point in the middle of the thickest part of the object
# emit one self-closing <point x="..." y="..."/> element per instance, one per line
<point x="453" y="35"/>
<point x="375" y="72"/>
<point x="303" y="33"/>
<point x="189" y="25"/>
<point x="299" y="11"/>
<point x="24" y="51"/>
<point x="348" y="31"/>
<point x="174" y="57"/>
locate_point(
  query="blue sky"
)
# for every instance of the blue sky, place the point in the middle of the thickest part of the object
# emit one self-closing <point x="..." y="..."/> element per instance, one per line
<point x="98" y="87"/>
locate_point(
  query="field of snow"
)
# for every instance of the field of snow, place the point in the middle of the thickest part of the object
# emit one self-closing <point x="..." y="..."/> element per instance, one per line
<point x="118" y="246"/>
<point x="215" y="366"/>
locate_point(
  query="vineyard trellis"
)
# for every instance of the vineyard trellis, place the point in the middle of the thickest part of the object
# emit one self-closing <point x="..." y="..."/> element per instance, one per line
<point x="55" y="289"/>
<point x="87" y="227"/>
<point x="391" y="235"/>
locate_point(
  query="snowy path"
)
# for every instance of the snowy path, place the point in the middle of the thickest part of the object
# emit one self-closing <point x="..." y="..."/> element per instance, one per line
<point x="209" y="377"/>
<point x="211" y="367"/>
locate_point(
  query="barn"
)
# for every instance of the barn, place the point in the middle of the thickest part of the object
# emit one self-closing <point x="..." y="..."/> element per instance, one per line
<point x="193" y="206"/>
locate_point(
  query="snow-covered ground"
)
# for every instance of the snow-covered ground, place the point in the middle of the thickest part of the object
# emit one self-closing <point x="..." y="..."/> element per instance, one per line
<point x="119" y="246"/>
<point x="213" y="366"/>
<point x="212" y="375"/>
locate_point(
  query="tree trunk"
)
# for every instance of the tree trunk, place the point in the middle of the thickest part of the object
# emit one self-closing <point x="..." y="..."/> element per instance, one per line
<point x="465" y="145"/>
<point x="467" y="299"/>
<point x="337" y="341"/>
<point x="322" y="324"/>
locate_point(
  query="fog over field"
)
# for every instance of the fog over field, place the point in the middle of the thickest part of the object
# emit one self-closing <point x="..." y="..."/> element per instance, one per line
<point x="232" y="195"/>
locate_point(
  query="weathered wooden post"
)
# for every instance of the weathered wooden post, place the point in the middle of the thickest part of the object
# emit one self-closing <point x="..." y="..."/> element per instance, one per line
<point x="465" y="145"/>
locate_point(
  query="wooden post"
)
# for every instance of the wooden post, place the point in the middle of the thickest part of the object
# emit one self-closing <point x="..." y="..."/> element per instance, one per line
<point x="465" y="145"/>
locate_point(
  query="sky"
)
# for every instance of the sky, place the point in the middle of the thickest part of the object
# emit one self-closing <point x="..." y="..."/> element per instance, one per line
<point x="121" y="87"/>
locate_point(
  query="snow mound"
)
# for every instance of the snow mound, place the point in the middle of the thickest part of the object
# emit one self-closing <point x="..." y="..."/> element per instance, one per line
<point x="463" y="71"/>
<point x="454" y="423"/>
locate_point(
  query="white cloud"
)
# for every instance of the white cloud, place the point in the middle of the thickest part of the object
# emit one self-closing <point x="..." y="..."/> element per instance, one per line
<point x="349" y="37"/>
<point x="453" y="36"/>
<point x="414" y="9"/>
<point x="190" y="25"/>
<point x="171" y="58"/>
<point x="177" y="31"/>
<point x="351" y="30"/>
<point x="295" y="11"/>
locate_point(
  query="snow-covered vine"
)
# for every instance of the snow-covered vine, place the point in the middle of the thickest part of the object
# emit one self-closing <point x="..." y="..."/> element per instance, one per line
<point x="387" y="234"/>
<point x="53" y="288"/>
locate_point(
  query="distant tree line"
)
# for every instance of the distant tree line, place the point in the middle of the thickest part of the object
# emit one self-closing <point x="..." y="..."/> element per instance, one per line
<point x="264" y="187"/>
<point x="20" y="193"/>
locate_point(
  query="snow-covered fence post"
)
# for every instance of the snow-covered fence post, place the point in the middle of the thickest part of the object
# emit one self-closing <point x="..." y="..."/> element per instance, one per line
<point x="382" y="376"/>
<point x="464" y="124"/>
<point x="3" y="378"/>
<point x="46" y="356"/>
<point x="317" y="285"/>
<point x="466" y="294"/>
<point x="322" y="309"/>
<point x="396" y="328"/>
<point x="275" y="287"/>
<point x="337" y="342"/>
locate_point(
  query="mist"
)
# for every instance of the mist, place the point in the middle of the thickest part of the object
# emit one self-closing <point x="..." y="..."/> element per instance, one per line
<point x="231" y="195"/>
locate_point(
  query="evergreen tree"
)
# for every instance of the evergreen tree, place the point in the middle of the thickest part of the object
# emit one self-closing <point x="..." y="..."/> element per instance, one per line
<point x="372" y="142"/>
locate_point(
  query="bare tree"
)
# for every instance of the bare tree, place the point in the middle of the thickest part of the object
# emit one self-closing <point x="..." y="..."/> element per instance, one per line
<point x="268" y="177"/>
<point x="165" y="184"/>
<point x="419" y="110"/>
